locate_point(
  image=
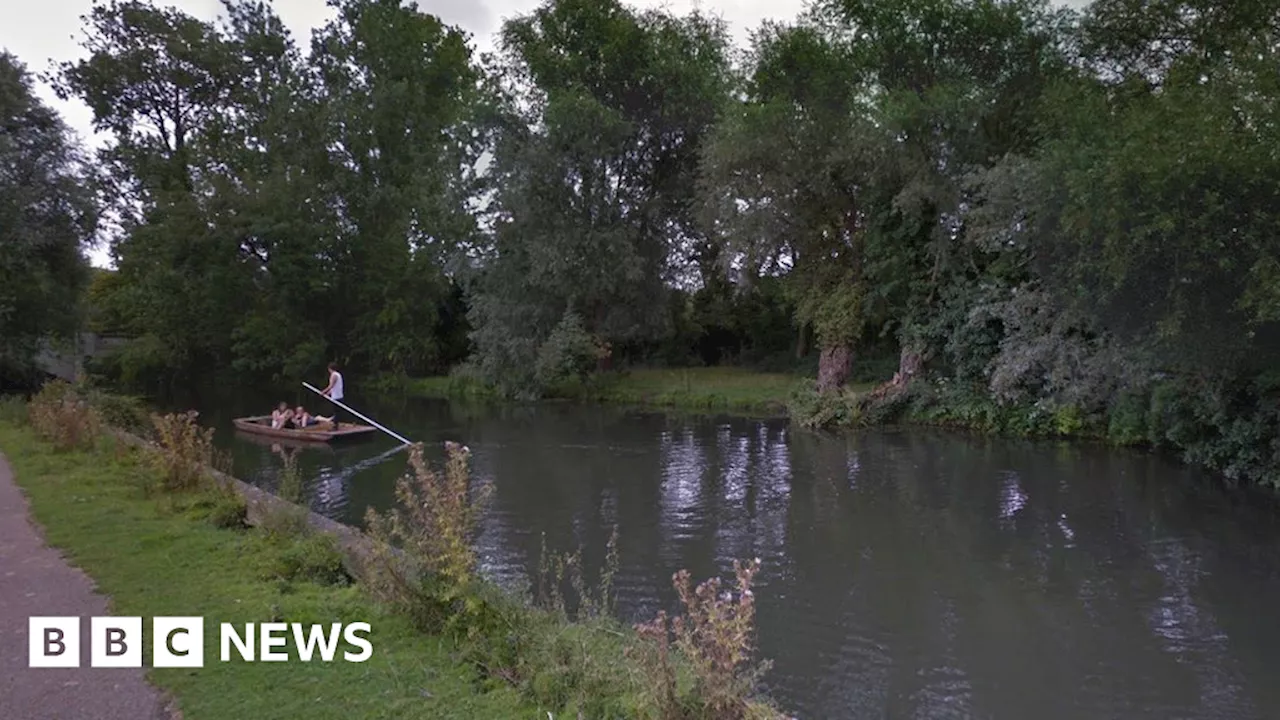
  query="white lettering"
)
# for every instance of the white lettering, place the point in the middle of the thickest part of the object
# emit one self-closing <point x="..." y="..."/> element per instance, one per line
<point x="352" y="639"/>
<point x="243" y="645"/>
<point x="268" y="642"/>
<point x="306" y="645"/>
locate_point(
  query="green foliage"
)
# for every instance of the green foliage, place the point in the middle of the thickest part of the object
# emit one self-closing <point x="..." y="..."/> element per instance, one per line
<point x="125" y="412"/>
<point x="13" y="410"/>
<point x="1057" y="223"/>
<point x="714" y="636"/>
<point x="314" y="557"/>
<point x="220" y="507"/>
<point x="185" y="453"/>
<point x="424" y="563"/>
<point x="603" y="113"/>
<point x="153" y="563"/>
<point x="47" y="217"/>
<point x="568" y="355"/>
<point x="65" y="419"/>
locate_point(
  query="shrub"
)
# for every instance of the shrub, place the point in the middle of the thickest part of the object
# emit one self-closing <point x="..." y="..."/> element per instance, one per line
<point x="568" y="355"/>
<point x="186" y="452"/>
<point x="423" y="561"/>
<point x="315" y="557"/>
<point x="63" y="418"/>
<point x="715" y="637"/>
<point x="221" y="507"/>
<point x="126" y="412"/>
<point x="812" y="409"/>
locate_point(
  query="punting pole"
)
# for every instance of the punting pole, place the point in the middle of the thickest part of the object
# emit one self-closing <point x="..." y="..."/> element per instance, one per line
<point x="339" y="403"/>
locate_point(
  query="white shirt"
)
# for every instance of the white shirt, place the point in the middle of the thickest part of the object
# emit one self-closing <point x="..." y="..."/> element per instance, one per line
<point x="335" y="377"/>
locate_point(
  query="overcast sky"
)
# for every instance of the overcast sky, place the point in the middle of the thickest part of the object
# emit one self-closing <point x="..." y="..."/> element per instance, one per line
<point x="43" y="31"/>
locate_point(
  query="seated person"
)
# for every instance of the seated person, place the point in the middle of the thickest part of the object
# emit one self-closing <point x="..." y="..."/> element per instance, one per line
<point x="282" y="417"/>
<point x="303" y="419"/>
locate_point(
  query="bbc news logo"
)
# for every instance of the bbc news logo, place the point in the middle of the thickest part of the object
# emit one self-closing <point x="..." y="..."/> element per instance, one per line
<point x="178" y="642"/>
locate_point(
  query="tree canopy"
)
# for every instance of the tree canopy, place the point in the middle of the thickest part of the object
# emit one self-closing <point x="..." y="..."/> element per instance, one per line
<point x="1057" y="210"/>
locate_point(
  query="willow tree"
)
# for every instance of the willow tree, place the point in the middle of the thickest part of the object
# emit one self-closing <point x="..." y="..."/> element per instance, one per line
<point x="957" y="87"/>
<point x="594" y="167"/>
<point x="789" y="180"/>
<point x="395" y="89"/>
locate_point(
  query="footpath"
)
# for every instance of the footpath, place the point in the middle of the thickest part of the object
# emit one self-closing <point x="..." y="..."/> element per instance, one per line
<point x="36" y="580"/>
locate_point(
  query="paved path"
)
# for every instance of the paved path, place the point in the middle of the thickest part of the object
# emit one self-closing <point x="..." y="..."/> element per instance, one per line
<point x="35" y="580"/>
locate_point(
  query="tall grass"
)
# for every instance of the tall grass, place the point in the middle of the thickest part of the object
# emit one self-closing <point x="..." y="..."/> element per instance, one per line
<point x="422" y="561"/>
<point x="564" y="650"/>
<point x="63" y="418"/>
<point x="186" y="452"/>
<point x="714" y="636"/>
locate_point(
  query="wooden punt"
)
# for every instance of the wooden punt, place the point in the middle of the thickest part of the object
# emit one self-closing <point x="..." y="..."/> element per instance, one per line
<point x="261" y="425"/>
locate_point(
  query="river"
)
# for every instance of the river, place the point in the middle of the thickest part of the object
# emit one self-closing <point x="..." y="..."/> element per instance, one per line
<point x="906" y="574"/>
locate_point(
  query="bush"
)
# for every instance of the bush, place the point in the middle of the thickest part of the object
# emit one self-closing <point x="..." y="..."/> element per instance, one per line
<point x="423" y="561"/>
<point x="568" y="355"/>
<point x="63" y="418"/>
<point x="812" y="409"/>
<point x="125" y="412"/>
<point x="186" y="453"/>
<point x="314" y="557"/>
<point x="13" y="409"/>
<point x="715" y="637"/>
<point x="222" y="508"/>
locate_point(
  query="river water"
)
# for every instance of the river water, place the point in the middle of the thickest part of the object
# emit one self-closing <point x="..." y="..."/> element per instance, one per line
<point x="904" y="574"/>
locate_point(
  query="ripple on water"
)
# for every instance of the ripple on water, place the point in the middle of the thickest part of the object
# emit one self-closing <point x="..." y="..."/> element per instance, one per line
<point x="827" y="667"/>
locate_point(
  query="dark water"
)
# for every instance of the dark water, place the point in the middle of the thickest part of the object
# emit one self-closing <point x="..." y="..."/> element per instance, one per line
<point x="905" y="574"/>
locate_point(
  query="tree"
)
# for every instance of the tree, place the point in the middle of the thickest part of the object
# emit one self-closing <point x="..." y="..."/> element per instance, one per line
<point x="786" y="182"/>
<point x="158" y="81"/>
<point x="595" y="161"/>
<point x="398" y="89"/>
<point x="48" y="216"/>
<point x="1165" y="172"/>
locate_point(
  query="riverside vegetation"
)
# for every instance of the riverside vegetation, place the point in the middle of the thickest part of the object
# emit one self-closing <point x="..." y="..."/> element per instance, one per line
<point x="1004" y="215"/>
<point x="446" y="641"/>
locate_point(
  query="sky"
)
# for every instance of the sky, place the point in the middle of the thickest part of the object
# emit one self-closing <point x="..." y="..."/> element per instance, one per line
<point x="42" y="32"/>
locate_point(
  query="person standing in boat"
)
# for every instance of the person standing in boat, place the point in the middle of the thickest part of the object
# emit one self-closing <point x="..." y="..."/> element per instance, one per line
<point x="334" y="392"/>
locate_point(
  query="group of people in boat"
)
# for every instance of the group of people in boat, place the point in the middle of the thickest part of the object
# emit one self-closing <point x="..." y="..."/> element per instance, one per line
<point x="286" y="418"/>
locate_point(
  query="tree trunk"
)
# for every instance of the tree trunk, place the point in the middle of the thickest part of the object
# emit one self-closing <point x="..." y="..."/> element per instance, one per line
<point x="909" y="363"/>
<point x="834" y="365"/>
<point x="802" y="347"/>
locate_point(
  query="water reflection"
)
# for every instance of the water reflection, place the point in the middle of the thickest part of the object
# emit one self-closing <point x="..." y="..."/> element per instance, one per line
<point x="906" y="574"/>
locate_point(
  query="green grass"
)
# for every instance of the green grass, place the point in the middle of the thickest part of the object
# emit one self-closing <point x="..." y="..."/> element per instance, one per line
<point x="152" y="556"/>
<point x="701" y="388"/>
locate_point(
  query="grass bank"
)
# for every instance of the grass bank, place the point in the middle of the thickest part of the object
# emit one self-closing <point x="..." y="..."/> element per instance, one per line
<point x="161" y="537"/>
<point x="695" y="389"/>
<point x="166" y="558"/>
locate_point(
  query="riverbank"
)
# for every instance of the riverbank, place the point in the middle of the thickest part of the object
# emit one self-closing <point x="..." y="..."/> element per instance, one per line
<point x="1232" y="430"/>
<point x="694" y="389"/>
<point x="155" y="558"/>
<point x="164" y="546"/>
